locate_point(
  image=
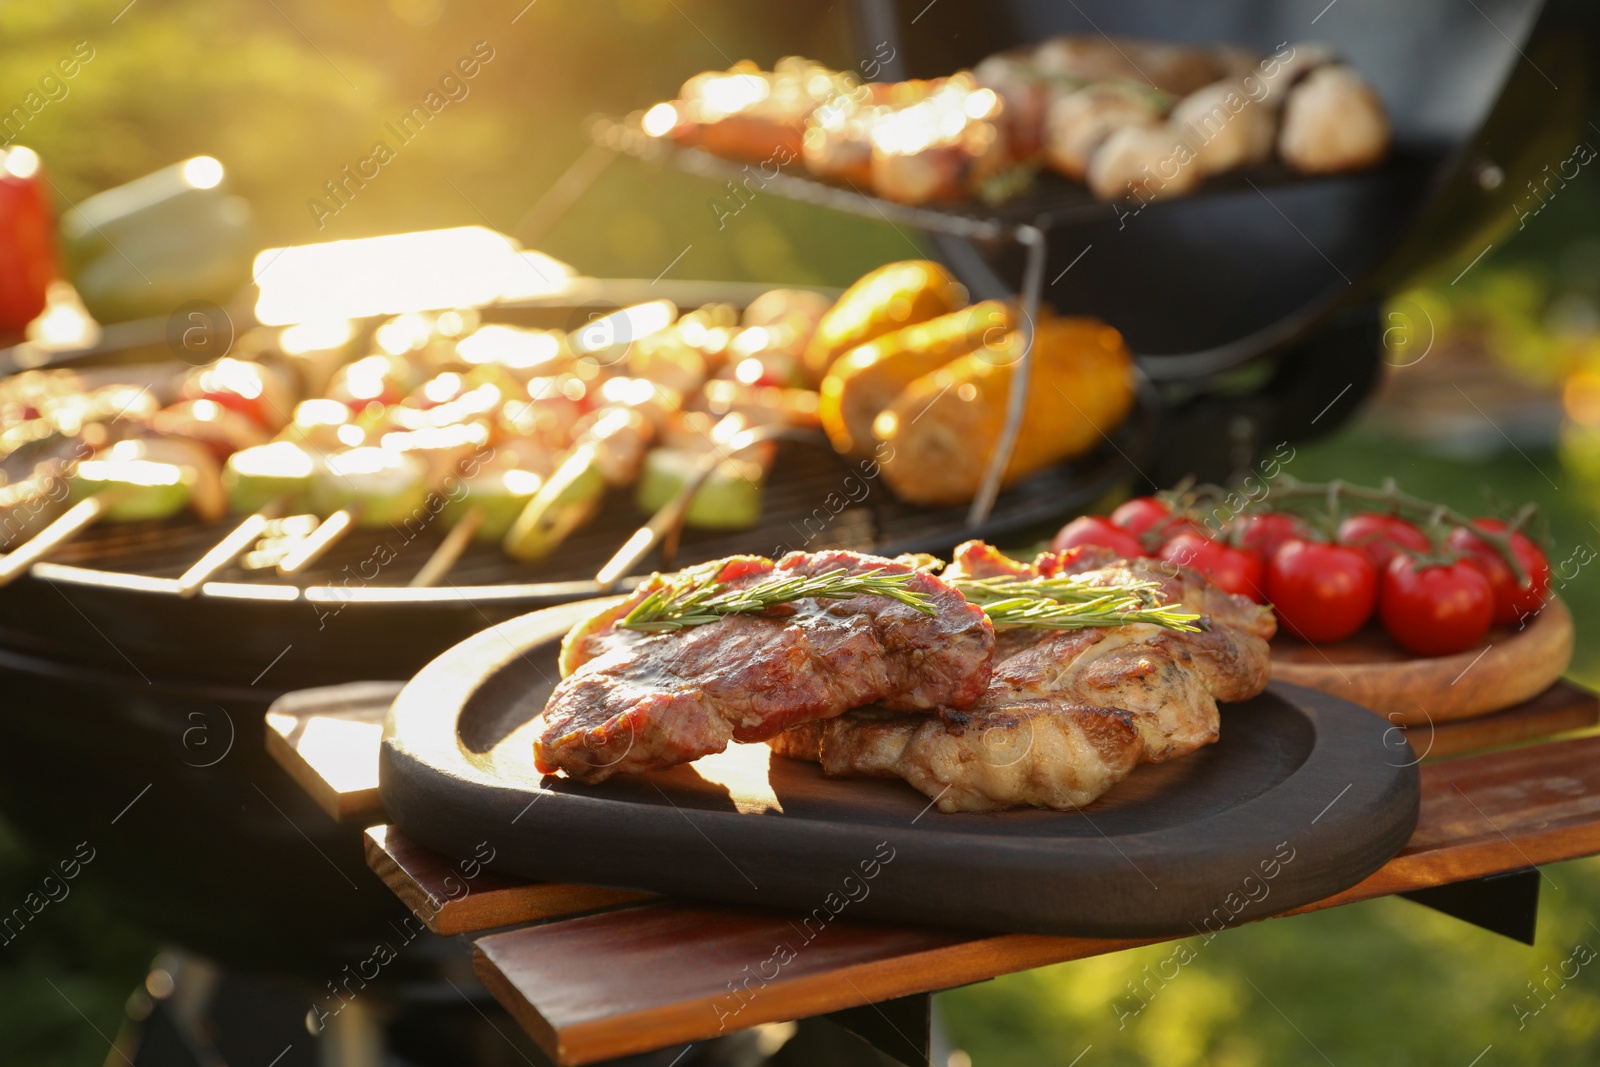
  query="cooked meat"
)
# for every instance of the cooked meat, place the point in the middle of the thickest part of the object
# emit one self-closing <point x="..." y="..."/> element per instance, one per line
<point x="636" y="702"/>
<point x="1173" y="68"/>
<point x="1179" y="585"/>
<point x="1067" y="714"/>
<point x="1043" y="753"/>
<point x="1165" y="680"/>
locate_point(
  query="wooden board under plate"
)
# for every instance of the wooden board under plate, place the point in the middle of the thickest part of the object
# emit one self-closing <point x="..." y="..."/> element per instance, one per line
<point x="1301" y="798"/>
<point x="1509" y="667"/>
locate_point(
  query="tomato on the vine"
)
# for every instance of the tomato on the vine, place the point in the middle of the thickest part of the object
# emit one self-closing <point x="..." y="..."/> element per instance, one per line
<point x="1267" y="532"/>
<point x="1381" y="537"/>
<point x="1511" y="601"/>
<point x="1095" y="530"/>
<point x="1236" y="570"/>
<point x="1435" y="609"/>
<point x="1321" y="592"/>
<point x="1141" y="514"/>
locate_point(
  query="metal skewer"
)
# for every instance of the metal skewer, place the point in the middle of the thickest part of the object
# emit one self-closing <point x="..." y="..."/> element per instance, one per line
<point x="69" y="525"/>
<point x="324" y="537"/>
<point x="450" y="549"/>
<point x="1031" y="238"/>
<point x="227" y="550"/>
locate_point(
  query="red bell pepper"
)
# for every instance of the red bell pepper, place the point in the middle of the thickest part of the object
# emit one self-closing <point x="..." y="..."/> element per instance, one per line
<point x="27" y="238"/>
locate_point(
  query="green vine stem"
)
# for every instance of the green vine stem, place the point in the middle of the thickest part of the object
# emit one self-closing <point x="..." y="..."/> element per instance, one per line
<point x="1389" y="497"/>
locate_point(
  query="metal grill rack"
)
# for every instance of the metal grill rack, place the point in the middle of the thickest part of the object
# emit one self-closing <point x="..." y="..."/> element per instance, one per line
<point x="1026" y="219"/>
<point x="1048" y="201"/>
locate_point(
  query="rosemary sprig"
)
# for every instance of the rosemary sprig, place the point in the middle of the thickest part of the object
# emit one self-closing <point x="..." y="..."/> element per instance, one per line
<point x="1064" y="588"/>
<point x="1072" y="603"/>
<point x="695" y="600"/>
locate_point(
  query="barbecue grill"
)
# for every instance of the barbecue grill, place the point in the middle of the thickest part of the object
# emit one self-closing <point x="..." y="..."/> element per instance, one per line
<point x="110" y="672"/>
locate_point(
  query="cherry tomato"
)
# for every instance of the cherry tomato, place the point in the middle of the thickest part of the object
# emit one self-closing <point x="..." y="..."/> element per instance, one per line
<point x="1321" y="592"/>
<point x="1095" y="530"/>
<point x="1140" y="514"/>
<point x="1435" y="609"/>
<point x="1381" y="537"/>
<point x="1236" y="570"/>
<point x="1267" y="533"/>
<point x="1511" y="601"/>
<point x="244" y="386"/>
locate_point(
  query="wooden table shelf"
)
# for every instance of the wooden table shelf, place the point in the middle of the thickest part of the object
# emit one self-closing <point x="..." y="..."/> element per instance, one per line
<point x="593" y="973"/>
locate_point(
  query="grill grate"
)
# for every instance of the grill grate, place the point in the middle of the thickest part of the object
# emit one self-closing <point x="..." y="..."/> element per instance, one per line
<point x="813" y="500"/>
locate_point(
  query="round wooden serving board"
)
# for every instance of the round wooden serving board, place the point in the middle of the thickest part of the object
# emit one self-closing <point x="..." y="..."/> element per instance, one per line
<point x="1509" y="667"/>
<point x="1305" y="795"/>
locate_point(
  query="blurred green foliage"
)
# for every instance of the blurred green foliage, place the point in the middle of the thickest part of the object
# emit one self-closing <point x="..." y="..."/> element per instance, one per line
<point x="1379" y="983"/>
<point x="286" y="93"/>
<point x="68" y="973"/>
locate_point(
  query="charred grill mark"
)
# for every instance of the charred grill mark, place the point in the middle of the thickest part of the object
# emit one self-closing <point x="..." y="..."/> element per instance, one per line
<point x="678" y="696"/>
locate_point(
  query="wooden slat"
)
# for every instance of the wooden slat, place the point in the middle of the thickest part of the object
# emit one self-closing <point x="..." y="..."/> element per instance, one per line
<point x="328" y="740"/>
<point x="1562" y="708"/>
<point x="660" y="974"/>
<point x="663" y="974"/>
<point x="462" y="897"/>
<point x="1494" y="813"/>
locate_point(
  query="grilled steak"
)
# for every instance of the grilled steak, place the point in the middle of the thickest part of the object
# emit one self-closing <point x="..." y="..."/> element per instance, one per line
<point x="1067" y="714"/>
<point x="636" y="702"/>
<point x="1042" y="753"/>
<point x="1178" y="585"/>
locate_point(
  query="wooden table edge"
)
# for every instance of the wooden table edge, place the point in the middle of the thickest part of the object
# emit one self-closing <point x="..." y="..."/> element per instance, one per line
<point x="356" y="806"/>
<point x="476" y="910"/>
<point x="869" y="982"/>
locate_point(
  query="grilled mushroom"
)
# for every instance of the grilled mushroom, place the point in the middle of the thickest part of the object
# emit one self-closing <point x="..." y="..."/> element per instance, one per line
<point x="1333" y="121"/>
<point x="1147" y="162"/>
<point x="1080" y="122"/>
<point x="1225" y="127"/>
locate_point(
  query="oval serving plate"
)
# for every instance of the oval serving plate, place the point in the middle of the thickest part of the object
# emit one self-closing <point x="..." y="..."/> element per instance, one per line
<point x="1305" y="795"/>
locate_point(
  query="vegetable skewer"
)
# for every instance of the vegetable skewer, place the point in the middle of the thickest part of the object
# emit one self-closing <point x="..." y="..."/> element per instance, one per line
<point x="120" y="484"/>
<point x="77" y="518"/>
<point x="448" y="554"/>
<point x="378" y="440"/>
<point x="669" y="518"/>
<point x="317" y="543"/>
<point x="230" y="548"/>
